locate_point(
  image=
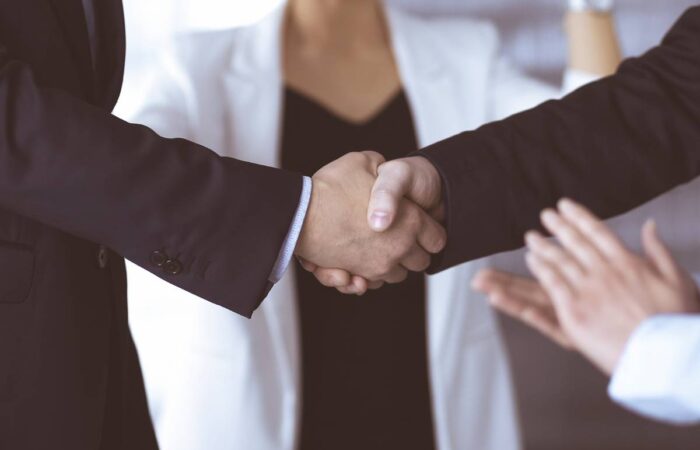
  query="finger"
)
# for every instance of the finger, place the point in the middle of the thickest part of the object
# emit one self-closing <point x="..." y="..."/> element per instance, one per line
<point x="555" y="256"/>
<point x="546" y="323"/>
<point x="417" y="259"/>
<point x="392" y="184"/>
<point x="571" y="238"/>
<point x="432" y="236"/>
<point x="438" y="213"/>
<point x="373" y="285"/>
<point x="347" y="290"/>
<point x="657" y="251"/>
<point x="556" y="286"/>
<point x="360" y="284"/>
<point x="309" y="267"/>
<point x="489" y="281"/>
<point x="541" y="318"/>
<point x="396" y="275"/>
<point x="332" y="277"/>
<point x="605" y="241"/>
<point x="375" y="159"/>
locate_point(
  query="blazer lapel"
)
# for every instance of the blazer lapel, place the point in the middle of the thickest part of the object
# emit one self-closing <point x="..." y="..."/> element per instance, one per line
<point x="446" y="91"/>
<point x="112" y="51"/>
<point x="254" y="85"/>
<point x="71" y="18"/>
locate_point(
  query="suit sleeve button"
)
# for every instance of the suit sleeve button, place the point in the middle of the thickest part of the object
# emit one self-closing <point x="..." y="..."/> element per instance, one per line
<point x="102" y="257"/>
<point x="172" y="266"/>
<point x="158" y="258"/>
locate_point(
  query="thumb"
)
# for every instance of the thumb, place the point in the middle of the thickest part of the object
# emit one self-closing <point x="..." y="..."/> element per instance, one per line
<point x="390" y="187"/>
<point x="657" y="251"/>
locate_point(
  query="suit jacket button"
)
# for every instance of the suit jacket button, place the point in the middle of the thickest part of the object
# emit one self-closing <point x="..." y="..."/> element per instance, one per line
<point x="172" y="267"/>
<point x="102" y="257"/>
<point x="158" y="258"/>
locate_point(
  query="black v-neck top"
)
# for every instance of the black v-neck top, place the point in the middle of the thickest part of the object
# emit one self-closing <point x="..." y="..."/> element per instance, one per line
<point x="364" y="359"/>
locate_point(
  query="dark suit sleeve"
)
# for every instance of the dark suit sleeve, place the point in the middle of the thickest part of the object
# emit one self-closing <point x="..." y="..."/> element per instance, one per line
<point x="612" y="145"/>
<point x="77" y="168"/>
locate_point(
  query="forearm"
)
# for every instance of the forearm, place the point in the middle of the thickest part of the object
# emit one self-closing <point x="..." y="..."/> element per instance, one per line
<point x="592" y="42"/>
<point x="75" y="167"/>
<point x="612" y="145"/>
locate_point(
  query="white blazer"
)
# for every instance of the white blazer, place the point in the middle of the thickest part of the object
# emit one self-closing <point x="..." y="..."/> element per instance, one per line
<point x="219" y="381"/>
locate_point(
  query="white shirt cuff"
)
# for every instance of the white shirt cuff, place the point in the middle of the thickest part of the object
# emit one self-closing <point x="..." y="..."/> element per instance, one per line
<point x="290" y="242"/>
<point x="658" y="375"/>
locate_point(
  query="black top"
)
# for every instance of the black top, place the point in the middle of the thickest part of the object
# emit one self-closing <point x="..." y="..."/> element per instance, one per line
<point x="365" y="372"/>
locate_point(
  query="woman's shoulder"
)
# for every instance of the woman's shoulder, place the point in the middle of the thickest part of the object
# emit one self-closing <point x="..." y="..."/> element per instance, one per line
<point x="205" y="49"/>
<point x="454" y="30"/>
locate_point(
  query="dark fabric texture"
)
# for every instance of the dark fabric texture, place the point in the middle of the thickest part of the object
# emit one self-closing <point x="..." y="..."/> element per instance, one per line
<point x="364" y="364"/>
<point x="613" y="145"/>
<point x="76" y="181"/>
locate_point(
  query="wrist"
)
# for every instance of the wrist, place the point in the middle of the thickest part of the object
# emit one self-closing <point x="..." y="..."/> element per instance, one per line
<point x="305" y="243"/>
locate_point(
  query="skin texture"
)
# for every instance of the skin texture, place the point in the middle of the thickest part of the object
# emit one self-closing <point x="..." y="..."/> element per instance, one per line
<point x="352" y="74"/>
<point x="409" y="178"/>
<point x="590" y="292"/>
<point x="336" y="234"/>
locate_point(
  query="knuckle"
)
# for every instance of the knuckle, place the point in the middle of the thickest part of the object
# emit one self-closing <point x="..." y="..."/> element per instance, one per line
<point x="385" y="267"/>
<point x="424" y="264"/>
<point x="399" y="168"/>
<point x="325" y="279"/>
<point x="418" y="263"/>
<point x="401" y="276"/>
<point x="413" y="214"/>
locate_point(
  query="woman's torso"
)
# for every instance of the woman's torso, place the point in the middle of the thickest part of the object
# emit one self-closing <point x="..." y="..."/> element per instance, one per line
<point x="364" y="359"/>
<point x="445" y="70"/>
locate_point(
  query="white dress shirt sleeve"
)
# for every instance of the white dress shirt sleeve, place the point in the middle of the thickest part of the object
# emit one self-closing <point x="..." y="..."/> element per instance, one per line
<point x="658" y="375"/>
<point x="290" y="242"/>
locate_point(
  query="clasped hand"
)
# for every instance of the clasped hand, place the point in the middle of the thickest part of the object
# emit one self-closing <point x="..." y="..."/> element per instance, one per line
<point x="361" y="230"/>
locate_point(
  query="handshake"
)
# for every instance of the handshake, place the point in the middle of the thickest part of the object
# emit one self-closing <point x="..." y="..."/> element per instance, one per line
<point x="369" y="222"/>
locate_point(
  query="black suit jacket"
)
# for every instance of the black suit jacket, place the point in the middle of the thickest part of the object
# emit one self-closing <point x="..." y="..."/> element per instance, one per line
<point x="612" y="145"/>
<point x="76" y="181"/>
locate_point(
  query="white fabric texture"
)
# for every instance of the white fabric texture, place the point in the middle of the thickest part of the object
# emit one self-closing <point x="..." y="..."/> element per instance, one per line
<point x="290" y="242"/>
<point x="658" y="375"/>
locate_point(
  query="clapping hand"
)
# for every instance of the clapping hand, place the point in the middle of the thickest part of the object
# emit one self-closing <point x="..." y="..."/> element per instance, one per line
<point x="591" y="292"/>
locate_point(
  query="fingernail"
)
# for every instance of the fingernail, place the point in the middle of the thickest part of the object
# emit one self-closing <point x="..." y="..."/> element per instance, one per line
<point x="379" y="220"/>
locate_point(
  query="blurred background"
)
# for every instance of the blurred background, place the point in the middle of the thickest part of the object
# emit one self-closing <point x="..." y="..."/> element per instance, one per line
<point x="531" y="30"/>
<point x="562" y="400"/>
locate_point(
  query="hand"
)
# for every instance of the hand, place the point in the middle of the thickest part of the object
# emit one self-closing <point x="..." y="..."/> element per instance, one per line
<point x="413" y="178"/>
<point x="335" y="232"/>
<point x="592" y="292"/>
